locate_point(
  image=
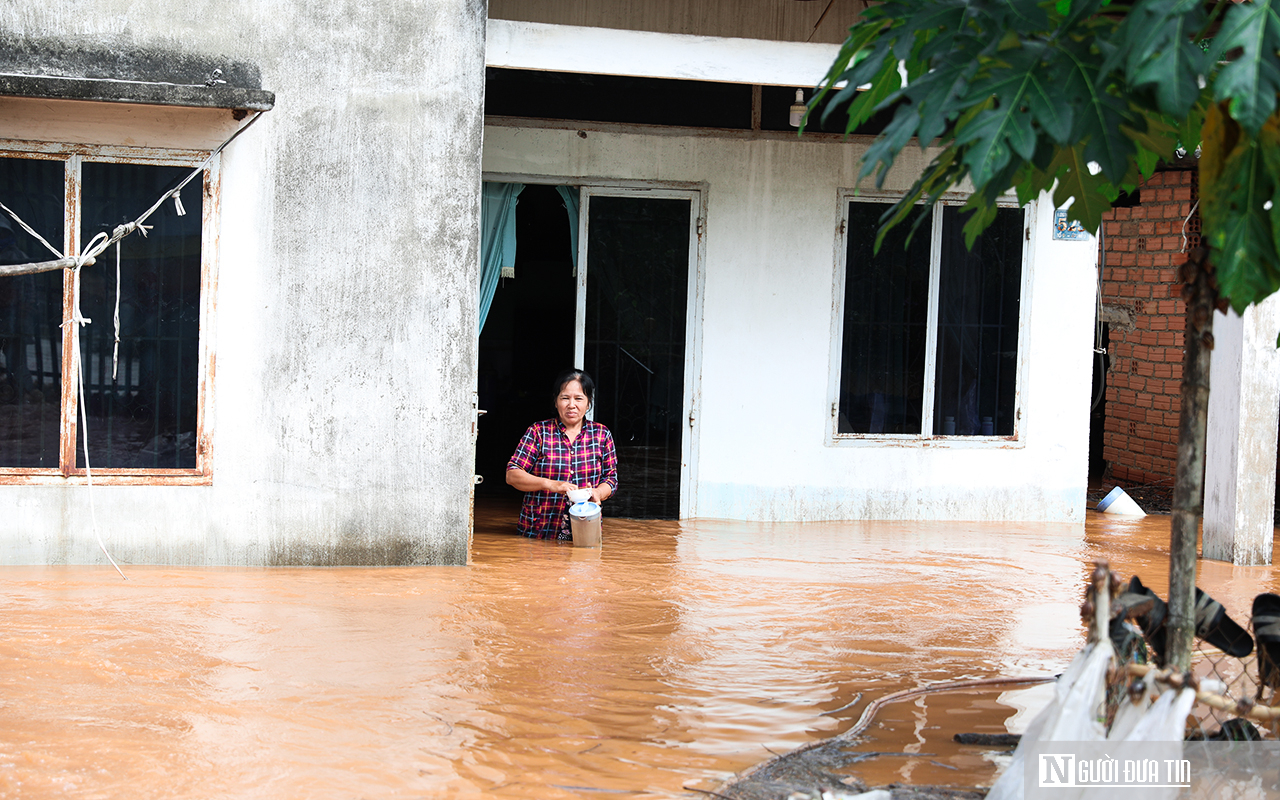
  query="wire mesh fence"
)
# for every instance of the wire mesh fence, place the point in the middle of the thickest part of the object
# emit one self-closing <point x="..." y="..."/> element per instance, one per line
<point x="1235" y="680"/>
<point x="1233" y="672"/>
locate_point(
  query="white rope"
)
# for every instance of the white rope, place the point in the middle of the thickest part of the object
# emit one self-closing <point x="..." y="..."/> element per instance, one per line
<point x="115" y="348"/>
<point x="28" y="229"/>
<point x="177" y="190"/>
<point x="97" y="247"/>
<point x="78" y="321"/>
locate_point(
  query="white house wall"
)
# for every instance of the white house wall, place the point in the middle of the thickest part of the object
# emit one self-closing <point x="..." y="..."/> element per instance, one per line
<point x="763" y="444"/>
<point x="344" y="335"/>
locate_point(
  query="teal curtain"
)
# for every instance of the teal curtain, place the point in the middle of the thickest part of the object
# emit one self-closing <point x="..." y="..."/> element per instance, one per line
<point x="497" y="238"/>
<point x="571" y="197"/>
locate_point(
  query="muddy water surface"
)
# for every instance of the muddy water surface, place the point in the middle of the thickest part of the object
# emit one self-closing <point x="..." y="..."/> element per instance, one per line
<point x="675" y="656"/>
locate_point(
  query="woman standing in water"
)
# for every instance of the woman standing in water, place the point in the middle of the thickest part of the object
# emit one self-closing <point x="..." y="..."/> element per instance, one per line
<point x="557" y="455"/>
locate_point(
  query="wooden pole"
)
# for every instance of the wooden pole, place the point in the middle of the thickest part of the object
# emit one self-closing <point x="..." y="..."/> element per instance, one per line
<point x="1101" y="583"/>
<point x="1267" y="715"/>
<point x="1200" y="291"/>
<point x="9" y="270"/>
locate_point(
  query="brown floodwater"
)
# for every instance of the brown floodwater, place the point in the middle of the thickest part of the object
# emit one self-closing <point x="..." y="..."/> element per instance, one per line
<point x="673" y="657"/>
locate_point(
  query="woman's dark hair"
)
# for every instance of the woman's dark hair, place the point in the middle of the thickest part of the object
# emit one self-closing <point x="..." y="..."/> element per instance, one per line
<point x="588" y="385"/>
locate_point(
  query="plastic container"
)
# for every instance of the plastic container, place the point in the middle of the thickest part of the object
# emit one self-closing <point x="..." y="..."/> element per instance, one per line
<point x="584" y="522"/>
<point x="1117" y="502"/>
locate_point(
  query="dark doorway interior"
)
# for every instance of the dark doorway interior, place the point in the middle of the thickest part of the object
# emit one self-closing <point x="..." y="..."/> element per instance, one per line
<point x="527" y="337"/>
<point x="1098" y="409"/>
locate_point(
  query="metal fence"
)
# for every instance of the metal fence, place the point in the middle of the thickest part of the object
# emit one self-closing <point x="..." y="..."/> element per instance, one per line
<point x="1233" y="701"/>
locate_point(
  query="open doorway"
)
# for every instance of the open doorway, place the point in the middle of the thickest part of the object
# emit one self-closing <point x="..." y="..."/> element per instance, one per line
<point x="527" y="337"/>
<point x="622" y="314"/>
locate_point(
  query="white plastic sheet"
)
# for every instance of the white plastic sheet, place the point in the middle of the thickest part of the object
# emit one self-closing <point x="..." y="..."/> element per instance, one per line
<point x="1072" y="715"/>
<point x="1129" y="714"/>
<point x="1165" y="721"/>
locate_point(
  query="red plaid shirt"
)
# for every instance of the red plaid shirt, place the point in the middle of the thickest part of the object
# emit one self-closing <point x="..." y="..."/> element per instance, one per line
<point x="545" y="452"/>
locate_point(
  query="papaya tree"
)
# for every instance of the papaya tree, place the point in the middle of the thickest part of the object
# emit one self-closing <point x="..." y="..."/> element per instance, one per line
<point x="1083" y="99"/>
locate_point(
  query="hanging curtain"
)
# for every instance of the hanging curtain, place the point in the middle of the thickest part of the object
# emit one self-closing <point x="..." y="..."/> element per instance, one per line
<point x="571" y="197"/>
<point x="497" y="238"/>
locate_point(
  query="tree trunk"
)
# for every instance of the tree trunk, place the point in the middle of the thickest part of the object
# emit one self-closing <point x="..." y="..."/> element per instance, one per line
<point x="1200" y="291"/>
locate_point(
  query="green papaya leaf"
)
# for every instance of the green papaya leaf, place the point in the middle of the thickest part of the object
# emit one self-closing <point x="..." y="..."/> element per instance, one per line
<point x="1157" y="42"/>
<point x="1250" y="81"/>
<point x="1237" y="204"/>
<point x="1084" y="189"/>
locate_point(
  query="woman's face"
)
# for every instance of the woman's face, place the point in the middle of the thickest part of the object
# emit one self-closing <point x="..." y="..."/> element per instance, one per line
<point x="571" y="403"/>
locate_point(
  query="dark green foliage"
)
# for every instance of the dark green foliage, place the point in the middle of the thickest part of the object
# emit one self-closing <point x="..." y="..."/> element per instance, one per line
<point x="1083" y="97"/>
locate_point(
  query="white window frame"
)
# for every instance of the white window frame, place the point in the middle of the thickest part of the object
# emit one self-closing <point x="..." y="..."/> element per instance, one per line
<point x="73" y="157"/>
<point x="926" y="437"/>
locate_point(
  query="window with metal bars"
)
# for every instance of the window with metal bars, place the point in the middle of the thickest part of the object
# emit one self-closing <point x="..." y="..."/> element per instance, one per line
<point x="929" y="330"/>
<point x="143" y="387"/>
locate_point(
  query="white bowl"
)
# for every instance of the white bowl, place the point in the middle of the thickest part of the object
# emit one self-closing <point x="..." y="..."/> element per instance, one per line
<point x="579" y="495"/>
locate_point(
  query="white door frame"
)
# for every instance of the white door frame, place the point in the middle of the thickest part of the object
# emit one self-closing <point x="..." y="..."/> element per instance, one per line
<point x="693" y="314"/>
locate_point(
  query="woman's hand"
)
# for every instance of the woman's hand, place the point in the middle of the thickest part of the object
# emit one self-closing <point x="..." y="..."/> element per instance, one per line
<point x="525" y="482"/>
<point x="601" y="493"/>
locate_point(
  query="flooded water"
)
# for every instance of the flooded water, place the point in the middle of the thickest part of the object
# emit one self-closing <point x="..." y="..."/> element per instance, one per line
<point x="674" y="657"/>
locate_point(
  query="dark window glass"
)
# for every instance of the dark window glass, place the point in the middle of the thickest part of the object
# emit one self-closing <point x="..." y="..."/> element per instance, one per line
<point x="143" y="415"/>
<point x="979" y="295"/>
<point x="30" y="315"/>
<point x="886" y="306"/>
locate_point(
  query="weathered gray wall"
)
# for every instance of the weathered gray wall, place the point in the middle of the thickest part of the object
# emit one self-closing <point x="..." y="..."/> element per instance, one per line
<point x="345" y="328"/>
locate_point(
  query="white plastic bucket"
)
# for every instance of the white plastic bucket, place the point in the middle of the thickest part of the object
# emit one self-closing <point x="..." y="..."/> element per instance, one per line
<point x="1117" y="502"/>
<point x="584" y="522"/>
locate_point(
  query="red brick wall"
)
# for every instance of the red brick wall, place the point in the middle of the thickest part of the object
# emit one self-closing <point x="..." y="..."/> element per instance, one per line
<point x="1143" y="250"/>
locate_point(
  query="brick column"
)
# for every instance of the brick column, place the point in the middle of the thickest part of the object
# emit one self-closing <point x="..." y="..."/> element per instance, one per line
<point x="1144" y="247"/>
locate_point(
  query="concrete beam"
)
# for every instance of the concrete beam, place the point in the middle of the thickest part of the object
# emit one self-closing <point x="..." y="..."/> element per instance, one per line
<point x="105" y="90"/>
<point x="645" y="54"/>
<point x="1240" y="455"/>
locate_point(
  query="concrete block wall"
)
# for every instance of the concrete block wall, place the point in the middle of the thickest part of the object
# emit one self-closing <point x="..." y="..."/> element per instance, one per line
<point x="1143" y="248"/>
